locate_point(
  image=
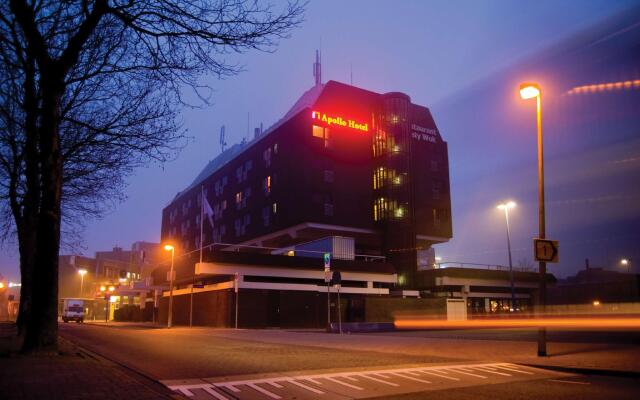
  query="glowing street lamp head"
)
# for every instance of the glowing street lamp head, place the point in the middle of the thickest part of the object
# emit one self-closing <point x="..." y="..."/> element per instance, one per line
<point x="168" y="247"/>
<point x="112" y="288"/>
<point x="507" y="205"/>
<point x="624" y="261"/>
<point x="103" y="288"/>
<point x="529" y="91"/>
<point x="1" y="285"/>
<point x="82" y="271"/>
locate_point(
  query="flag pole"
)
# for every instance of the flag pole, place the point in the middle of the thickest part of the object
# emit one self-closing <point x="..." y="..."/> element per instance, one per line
<point x="193" y="280"/>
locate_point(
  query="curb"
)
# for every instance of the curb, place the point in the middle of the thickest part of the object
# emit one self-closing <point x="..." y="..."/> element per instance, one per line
<point x="152" y="384"/>
<point x="586" y="371"/>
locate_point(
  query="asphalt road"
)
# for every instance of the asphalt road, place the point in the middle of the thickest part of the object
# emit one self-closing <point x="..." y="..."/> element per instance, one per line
<point x="220" y="364"/>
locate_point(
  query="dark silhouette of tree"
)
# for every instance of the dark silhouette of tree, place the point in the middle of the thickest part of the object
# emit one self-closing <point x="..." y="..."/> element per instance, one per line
<point x="89" y="91"/>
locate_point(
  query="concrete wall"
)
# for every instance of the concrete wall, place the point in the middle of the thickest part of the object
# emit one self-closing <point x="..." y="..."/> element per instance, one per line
<point x="383" y="309"/>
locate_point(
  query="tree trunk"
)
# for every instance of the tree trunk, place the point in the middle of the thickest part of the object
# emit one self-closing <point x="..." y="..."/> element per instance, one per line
<point x="42" y="325"/>
<point x="26" y="216"/>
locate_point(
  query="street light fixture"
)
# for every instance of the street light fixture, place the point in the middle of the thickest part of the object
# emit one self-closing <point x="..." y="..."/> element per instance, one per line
<point x="627" y="263"/>
<point x="82" y="273"/>
<point x="172" y="249"/>
<point x="506" y="207"/>
<point x="530" y="91"/>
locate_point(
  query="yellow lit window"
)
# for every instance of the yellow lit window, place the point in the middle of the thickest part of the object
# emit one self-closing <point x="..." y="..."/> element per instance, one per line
<point x="318" y="131"/>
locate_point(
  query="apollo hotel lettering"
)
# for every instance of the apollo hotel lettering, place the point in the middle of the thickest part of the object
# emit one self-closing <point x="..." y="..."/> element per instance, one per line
<point x="338" y="120"/>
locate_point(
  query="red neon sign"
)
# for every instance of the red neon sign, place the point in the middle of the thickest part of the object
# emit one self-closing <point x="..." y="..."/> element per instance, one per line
<point x="338" y="120"/>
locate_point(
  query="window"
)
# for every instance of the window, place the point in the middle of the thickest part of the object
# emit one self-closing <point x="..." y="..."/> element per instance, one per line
<point x="434" y="165"/>
<point x="238" y="200"/>
<point x="328" y="209"/>
<point x="275" y="148"/>
<point x="238" y="226"/>
<point x="321" y="133"/>
<point x="266" y="155"/>
<point x="266" y="185"/>
<point x="274" y="208"/>
<point x="328" y="176"/>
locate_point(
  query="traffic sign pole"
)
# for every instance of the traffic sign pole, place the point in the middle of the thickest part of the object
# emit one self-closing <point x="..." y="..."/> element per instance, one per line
<point x="327" y="279"/>
<point x="542" y="299"/>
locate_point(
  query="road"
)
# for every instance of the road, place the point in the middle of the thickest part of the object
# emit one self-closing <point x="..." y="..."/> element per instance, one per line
<point x="204" y="363"/>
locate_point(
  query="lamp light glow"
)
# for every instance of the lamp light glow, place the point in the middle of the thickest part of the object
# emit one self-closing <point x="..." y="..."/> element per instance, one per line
<point x="529" y="91"/>
<point x="82" y="271"/>
<point x="168" y="247"/>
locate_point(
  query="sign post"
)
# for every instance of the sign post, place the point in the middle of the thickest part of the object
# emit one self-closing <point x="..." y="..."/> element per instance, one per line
<point x="235" y="287"/>
<point x="337" y="281"/>
<point x="327" y="279"/>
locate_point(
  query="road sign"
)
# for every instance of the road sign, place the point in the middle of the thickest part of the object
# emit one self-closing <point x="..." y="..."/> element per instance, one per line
<point x="336" y="279"/>
<point x="545" y="250"/>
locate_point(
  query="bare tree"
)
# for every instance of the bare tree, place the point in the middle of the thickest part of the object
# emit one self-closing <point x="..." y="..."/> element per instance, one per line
<point x="90" y="90"/>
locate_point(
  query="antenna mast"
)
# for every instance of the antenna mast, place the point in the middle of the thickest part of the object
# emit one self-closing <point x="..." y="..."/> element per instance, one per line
<point x="317" y="69"/>
<point x="223" y="142"/>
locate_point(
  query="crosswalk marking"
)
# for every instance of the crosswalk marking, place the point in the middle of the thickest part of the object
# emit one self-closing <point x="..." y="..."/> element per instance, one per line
<point x="309" y="388"/>
<point x="492" y="372"/>
<point x="380" y="380"/>
<point x="344" y="383"/>
<point x="410" y="378"/>
<point x="515" y="370"/>
<point x="440" y="376"/>
<point x="458" y="370"/>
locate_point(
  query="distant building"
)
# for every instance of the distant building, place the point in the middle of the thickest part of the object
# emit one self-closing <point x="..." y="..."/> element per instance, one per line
<point x="116" y="269"/>
<point x="596" y="284"/>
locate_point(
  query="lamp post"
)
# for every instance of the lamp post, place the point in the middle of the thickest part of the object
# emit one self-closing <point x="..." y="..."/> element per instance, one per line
<point x="172" y="249"/>
<point x="506" y="207"/>
<point x="530" y="91"/>
<point x="625" y="262"/>
<point x="82" y="273"/>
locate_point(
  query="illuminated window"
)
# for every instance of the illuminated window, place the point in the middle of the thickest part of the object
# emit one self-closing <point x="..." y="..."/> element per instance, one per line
<point x="274" y="208"/>
<point x="318" y="131"/>
<point x="399" y="213"/>
<point x="322" y="133"/>
<point x="266" y="184"/>
<point x="239" y="200"/>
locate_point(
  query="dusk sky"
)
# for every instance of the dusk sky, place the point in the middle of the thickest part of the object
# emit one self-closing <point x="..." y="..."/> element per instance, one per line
<point x="430" y="50"/>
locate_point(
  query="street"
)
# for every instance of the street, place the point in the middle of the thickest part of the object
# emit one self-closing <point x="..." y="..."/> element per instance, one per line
<point x="273" y="364"/>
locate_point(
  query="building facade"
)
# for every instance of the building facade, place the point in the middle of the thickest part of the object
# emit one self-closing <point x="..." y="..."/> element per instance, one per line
<point x="343" y="161"/>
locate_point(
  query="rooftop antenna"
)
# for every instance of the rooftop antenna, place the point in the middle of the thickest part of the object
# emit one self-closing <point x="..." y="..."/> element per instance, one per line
<point x="351" y="70"/>
<point x="223" y="142"/>
<point x="248" y="126"/>
<point x="317" y="69"/>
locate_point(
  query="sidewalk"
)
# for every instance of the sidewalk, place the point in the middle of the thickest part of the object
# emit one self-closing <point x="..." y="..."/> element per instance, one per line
<point x="74" y="374"/>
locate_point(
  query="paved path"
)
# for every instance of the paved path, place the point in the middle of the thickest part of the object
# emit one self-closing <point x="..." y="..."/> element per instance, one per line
<point x="358" y="384"/>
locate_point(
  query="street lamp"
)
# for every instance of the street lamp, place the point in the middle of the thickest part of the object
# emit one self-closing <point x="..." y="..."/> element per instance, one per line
<point x="529" y="91"/>
<point x="506" y="207"/>
<point x="626" y="263"/>
<point x="82" y="273"/>
<point x="172" y="249"/>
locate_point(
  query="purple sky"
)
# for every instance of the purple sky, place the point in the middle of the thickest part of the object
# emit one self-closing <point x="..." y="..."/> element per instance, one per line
<point x="427" y="49"/>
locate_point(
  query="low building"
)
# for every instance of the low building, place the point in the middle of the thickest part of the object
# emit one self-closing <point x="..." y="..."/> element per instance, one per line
<point x="485" y="290"/>
<point x="596" y="285"/>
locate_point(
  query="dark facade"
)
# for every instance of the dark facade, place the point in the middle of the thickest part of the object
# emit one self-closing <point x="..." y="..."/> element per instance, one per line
<point x="343" y="161"/>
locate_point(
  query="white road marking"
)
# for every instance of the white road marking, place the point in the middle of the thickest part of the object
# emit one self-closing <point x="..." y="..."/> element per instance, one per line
<point x="263" y="391"/>
<point x="440" y="376"/>
<point x="344" y="383"/>
<point x="379" y="380"/>
<point x="410" y="378"/>
<point x="309" y="388"/>
<point x="388" y="377"/>
<point x="513" y="369"/>
<point x="209" y="389"/>
<point x="467" y="373"/>
<point x="491" y="372"/>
